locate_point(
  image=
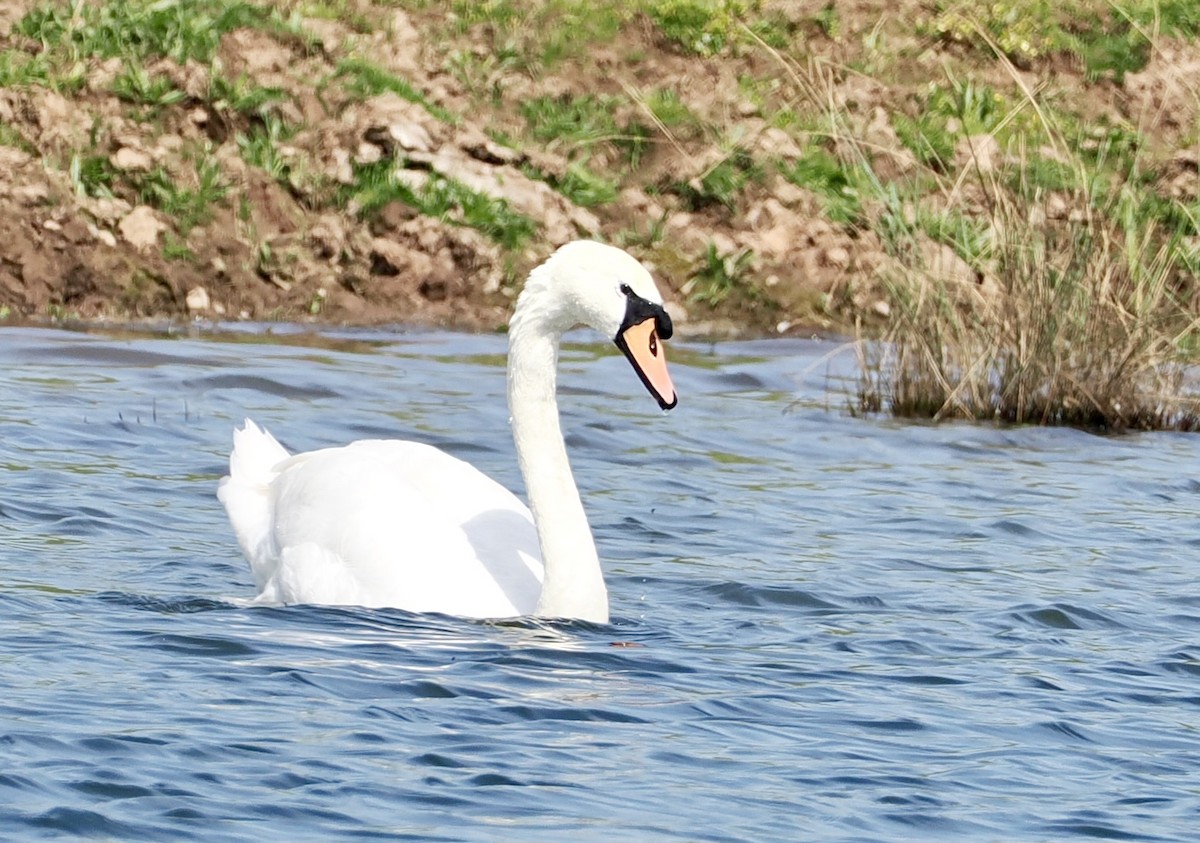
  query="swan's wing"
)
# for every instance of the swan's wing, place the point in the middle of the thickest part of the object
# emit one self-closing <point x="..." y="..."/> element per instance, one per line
<point x="389" y="523"/>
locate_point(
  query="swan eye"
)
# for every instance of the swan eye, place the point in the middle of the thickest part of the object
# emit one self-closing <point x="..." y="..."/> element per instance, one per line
<point x="626" y="290"/>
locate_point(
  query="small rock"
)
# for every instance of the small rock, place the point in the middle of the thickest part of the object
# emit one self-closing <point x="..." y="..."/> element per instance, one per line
<point x="328" y="237"/>
<point x="882" y="308"/>
<point x="1057" y="207"/>
<point x="944" y="265"/>
<point x="482" y="148"/>
<point x="141" y="228"/>
<point x="128" y="159"/>
<point x="367" y="153"/>
<point x="103" y="235"/>
<point x="390" y="258"/>
<point x="106" y="210"/>
<point x="725" y="245"/>
<point x="978" y="152"/>
<point x="394" y="214"/>
<point x="197" y="299"/>
<point x="51" y="225"/>
<point x="837" y="256"/>
<point x="776" y="241"/>
<point x="787" y="193"/>
<point x="169" y="143"/>
<point x="410" y="136"/>
<point x="101" y="76"/>
<point x="779" y="144"/>
<point x="343" y="173"/>
<point x="75" y="230"/>
<point x="32" y="194"/>
<point x="11" y="157"/>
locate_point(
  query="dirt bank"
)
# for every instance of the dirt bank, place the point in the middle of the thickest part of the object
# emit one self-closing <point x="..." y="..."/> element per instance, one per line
<point x="407" y="162"/>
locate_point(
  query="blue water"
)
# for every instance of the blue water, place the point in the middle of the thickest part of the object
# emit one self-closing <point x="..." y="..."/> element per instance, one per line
<point x="824" y="628"/>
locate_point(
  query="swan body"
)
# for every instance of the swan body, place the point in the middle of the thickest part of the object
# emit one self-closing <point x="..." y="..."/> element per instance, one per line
<point x="405" y="525"/>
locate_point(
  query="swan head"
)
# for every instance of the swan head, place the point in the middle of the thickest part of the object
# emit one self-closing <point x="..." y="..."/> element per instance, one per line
<point x="607" y="289"/>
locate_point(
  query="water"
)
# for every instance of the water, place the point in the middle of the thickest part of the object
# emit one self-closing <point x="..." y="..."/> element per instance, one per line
<point x="824" y="628"/>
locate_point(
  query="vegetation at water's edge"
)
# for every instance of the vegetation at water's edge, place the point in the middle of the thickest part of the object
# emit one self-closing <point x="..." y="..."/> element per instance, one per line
<point x="1002" y="200"/>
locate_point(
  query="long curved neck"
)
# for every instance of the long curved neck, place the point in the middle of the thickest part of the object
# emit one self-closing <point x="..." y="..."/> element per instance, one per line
<point x="572" y="584"/>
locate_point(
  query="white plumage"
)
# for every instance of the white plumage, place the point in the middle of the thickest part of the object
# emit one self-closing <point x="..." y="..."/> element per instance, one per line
<point x="403" y="524"/>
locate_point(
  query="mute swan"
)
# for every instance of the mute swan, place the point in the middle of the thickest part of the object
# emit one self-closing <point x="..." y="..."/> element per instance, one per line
<point x="402" y="524"/>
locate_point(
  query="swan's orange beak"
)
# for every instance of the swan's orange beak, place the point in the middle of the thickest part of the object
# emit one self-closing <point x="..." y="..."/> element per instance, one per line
<point x="640" y="343"/>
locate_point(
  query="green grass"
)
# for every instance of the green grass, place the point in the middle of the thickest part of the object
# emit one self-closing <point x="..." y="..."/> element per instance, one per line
<point x="582" y="123"/>
<point x="188" y="204"/>
<point x="260" y="147"/>
<point x="136" y="85"/>
<point x="11" y="136"/>
<point x="1086" y="331"/>
<point x="141" y="29"/>
<point x="18" y="69"/>
<point x="969" y="236"/>
<point x="138" y="32"/>
<point x="709" y="27"/>
<point x="719" y="278"/>
<point x="363" y="79"/>
<point x="722" y="184"/>
<point x="950" y="112"/>
<point x="1110" y="39"/>
<point x="579" y="184"/>
<point x="343" y="11"/>
<point x="841" y="187"/>
<point x="175" y="249"/>
<point x="187" y="198"/>
<point x="536" y="37"/>
<point x="376" y="185"/>
<point x="671" y="113"/>
<point x="93" y="175"/>
<point x="242" y="96"/>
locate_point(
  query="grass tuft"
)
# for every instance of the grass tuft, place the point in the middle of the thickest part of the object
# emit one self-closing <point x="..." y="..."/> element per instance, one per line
<point x="1088" y="322"/>
<point x="1110" y="38"/>
<point x="841" y="187"/>
<point x="721" y="184"/>
<point x="719" y="278"/>
<point x="365" y="79"/>
<point x="379" y="184"/>
<point x="584" y="123"/>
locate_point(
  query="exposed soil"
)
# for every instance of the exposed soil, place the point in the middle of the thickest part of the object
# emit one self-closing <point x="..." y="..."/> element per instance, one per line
<point x="283" y="245"/>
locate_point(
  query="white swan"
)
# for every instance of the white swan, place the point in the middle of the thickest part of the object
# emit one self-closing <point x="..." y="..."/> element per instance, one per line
<point x="402" y="524"/>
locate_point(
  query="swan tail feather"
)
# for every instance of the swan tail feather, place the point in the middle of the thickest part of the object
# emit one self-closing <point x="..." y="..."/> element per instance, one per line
<point x="246" y="493"/>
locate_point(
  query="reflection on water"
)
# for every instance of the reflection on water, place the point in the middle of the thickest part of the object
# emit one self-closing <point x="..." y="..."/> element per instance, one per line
<point x="825" y="628"/>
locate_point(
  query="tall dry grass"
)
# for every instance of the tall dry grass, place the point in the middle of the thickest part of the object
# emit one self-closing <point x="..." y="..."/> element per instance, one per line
<point x="1088" y="321"/>
<point x="1086" y="310"/>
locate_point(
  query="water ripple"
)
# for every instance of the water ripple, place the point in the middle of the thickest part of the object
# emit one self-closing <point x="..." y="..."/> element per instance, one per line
<point x="824" y="628"/>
